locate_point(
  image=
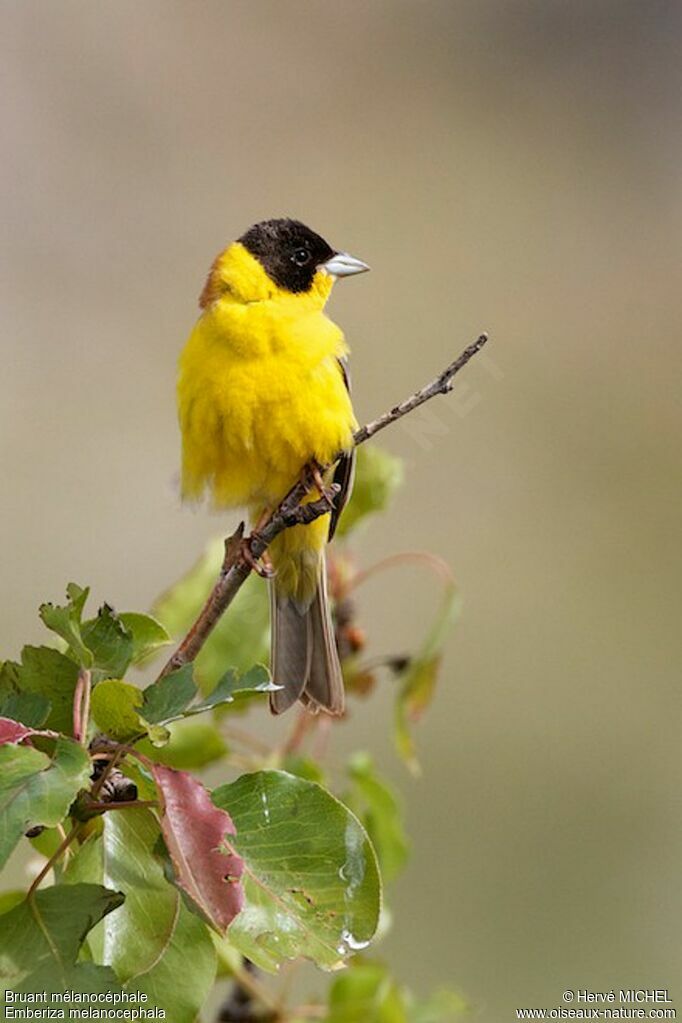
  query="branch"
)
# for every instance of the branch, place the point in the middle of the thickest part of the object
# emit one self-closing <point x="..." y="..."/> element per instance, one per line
<point x="54" y="858"/>
<point x="443" y="384"/>
<point x="81" y="706"/>
<point x="292" y="512"/>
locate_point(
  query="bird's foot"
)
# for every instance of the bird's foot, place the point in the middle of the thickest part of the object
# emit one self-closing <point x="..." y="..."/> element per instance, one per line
<point x="263" y="565"/>
<point x="312" y="479"/>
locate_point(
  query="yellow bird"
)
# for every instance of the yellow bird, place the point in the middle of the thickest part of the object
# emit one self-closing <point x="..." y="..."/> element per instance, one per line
<point x="262" y="394"/>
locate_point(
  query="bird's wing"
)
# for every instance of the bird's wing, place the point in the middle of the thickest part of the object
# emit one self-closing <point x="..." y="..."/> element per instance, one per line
<point x="345" y="467"/>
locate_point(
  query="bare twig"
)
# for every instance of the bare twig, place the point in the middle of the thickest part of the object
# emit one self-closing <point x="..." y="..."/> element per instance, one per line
<point x="443" y="384"/>
<point x="291" y="512"/>
<point x="437" y="565"/>
<point x="81" y="706"/>
<point x="54" y="858"/>
<point x="130" y="804"/>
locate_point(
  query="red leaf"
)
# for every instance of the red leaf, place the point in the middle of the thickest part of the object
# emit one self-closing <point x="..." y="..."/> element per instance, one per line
<point x="194" y="830"/>
<point x="13" y="731"/>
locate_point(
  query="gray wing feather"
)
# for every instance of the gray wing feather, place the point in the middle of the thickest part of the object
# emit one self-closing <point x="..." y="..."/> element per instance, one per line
<point x="344" y="472"/>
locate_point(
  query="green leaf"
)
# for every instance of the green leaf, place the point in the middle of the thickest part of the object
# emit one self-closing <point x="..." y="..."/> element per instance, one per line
<point x="41" y="938"/>
<point x="115" y="706"/>
<point x="169" y="699"/>
<point x="366" y="993"/>
<point x="256" y="680"/>
<point x="311" y="877"/>
<point x="47" y="842"/>
<point x="193" y="744"/>
<point x="166" y="699"/>
<point x="240" y="637"/>
<point x="417" y="685"/>
<point x="378" y="475"/>
<point x="8" y="900"/>
<point x="378" y="809"/>
<point x="147" y="634"/>
<point x="9" y="679"/>
<point x="36" y="789"/>
<point x="65" y="620"/>
<point x="31" y="709"/>
<point x="109" y="642"/>
<point x="53" y="676"/>
<point x="230" y="959"/>
<point x="153" y="937"/>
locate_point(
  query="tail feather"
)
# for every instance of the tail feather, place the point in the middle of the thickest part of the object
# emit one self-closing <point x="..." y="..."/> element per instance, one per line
<point x="291" y="650"/>
<point x="324" y="685"/>
<point x="304" y="658"/>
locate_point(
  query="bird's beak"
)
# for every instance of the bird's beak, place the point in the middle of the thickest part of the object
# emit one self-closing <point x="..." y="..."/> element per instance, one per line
<point x="343" y="265"/>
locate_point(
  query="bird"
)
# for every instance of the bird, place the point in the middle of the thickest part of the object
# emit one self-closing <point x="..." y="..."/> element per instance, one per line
<point x="264" y="401"/>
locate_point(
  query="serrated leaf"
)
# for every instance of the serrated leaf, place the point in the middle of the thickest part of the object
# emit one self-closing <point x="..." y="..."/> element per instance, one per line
<point x="256" y="680"/>
<point x="166" y="699"/>
<point x="366" y="993"/>
<point x="115" y="707"/>
<point x="195" y="830"/>
<point x="193" y="744"/>
<point x="37" y="789"/>
<point x="311" y="877"/>
<point x="9" y="679"/>
<point x="240" y="637"/>
<point x="42" y="936"/>
<point x="109" y="642"/>
<point x="417" y="685"/>
<point x="65" y="620"/>
<point x="147" y="634"/>
<point x="31" y="709"/>
<point x="53" y="676"/>
<point x="151" y="938"/>
<point x="378" y="475"/>
<point x="170" y="698"/>
<point x="378" y="809"/>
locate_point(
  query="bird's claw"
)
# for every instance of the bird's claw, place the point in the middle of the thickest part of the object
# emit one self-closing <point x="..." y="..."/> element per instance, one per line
<point x="312" y="477"/>
<point x="262" y="566"/>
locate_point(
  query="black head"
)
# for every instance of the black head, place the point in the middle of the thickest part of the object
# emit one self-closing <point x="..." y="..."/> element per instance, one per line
<point x="288" y="251"/>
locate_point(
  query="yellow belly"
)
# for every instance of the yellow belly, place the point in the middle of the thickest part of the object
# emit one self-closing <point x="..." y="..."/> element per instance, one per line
<point x="260" y="393"/>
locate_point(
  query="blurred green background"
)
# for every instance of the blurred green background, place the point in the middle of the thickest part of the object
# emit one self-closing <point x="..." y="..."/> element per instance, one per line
<point x="510" y="166"/>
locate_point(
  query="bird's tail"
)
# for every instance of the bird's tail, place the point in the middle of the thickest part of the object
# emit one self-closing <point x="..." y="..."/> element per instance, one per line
<point x="304" y="658"/>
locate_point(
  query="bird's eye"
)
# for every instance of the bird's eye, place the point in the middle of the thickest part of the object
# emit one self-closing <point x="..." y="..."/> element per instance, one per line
<point x="301" y="257"/>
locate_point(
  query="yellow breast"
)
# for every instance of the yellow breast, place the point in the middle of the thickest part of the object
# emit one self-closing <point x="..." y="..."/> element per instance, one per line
<point x="260" y="390"/>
